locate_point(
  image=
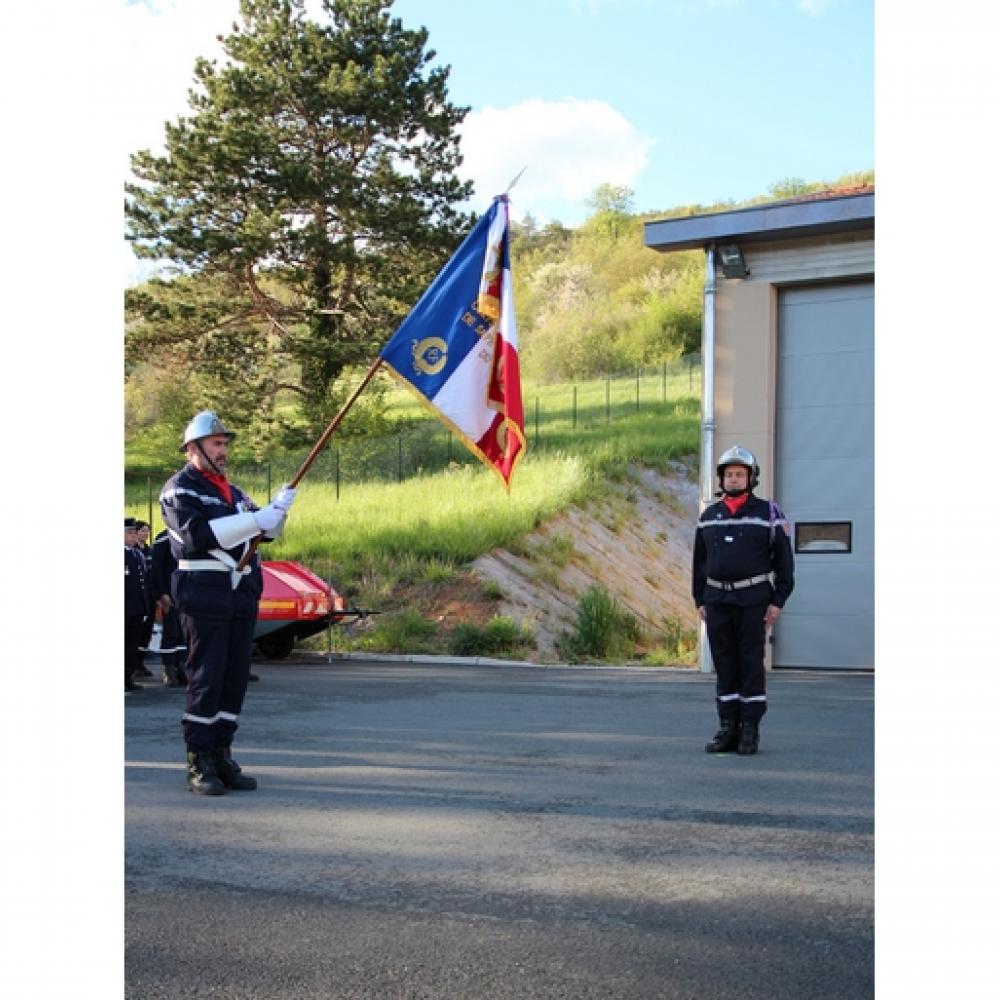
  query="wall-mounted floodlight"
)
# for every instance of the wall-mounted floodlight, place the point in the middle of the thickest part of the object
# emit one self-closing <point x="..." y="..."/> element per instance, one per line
<point x="731" y="259"/>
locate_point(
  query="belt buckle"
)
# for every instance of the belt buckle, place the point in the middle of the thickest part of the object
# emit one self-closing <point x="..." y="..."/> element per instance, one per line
<point x="727" y="585"/>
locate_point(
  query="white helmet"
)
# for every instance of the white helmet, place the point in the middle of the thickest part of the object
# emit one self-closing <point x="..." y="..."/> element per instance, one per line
<point x="738" y="455"/>
<point x="204" y="424"/>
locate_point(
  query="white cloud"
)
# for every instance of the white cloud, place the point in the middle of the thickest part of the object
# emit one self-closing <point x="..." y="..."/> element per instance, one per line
<point x="569" y="147"/>
<point x="162" y="39"/>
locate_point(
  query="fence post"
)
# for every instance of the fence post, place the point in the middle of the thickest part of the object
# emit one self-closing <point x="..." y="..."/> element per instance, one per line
<point x="268" y="494"/>
<point x="607" y="400"/>
<point x="536" y="420"/>
<point x="574" y="406"/>
<point x="399" y="462"/>
<point x="636" y="388"/>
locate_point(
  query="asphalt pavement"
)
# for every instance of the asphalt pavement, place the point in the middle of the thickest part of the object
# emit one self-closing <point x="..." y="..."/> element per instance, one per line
<point x="481" y="830"/>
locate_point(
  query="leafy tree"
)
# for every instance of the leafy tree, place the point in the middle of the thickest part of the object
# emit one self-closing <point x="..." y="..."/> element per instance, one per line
<point x="616" y="199"/>
<point x="668" y="325"/>
<point x="306" y="201"/>
<point x="612" y="207"/>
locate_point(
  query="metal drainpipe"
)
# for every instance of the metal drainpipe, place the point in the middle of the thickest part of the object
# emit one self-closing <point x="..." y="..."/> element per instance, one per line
<point x="708" y="416"/>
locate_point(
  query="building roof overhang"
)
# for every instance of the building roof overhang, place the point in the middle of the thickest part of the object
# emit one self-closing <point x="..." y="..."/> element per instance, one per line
<point x="770" y="222"/>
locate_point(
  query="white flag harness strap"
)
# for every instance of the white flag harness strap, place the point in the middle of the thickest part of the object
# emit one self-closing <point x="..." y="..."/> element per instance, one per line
<point x="737" y="584"/>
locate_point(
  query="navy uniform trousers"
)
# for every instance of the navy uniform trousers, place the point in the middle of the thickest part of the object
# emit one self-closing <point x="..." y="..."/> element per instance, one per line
<point x="134" y="625"/>
<point x="162" y="566"/>
<point x="136" y="610"/>
<point x="218" y="670"/>
<point x="736" y="637"/>
<point x="172" y="648"/>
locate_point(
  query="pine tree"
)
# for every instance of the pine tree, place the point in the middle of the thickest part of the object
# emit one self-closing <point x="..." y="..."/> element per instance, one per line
<point x="308" y="198"/>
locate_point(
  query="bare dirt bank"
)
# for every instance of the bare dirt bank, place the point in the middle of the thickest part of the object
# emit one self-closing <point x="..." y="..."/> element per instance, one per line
<point x="635" y="540"/>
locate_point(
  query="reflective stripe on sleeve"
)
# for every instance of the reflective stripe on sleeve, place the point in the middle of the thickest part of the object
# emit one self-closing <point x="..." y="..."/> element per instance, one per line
<point x="180" y="491"/>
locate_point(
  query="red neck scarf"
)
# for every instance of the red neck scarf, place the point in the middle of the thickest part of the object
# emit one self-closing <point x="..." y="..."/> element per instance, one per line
<point x="220" y="483"/>
<point x="733" y="504"/>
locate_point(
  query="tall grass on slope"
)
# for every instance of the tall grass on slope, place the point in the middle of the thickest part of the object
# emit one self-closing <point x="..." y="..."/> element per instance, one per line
<point x="453" y="515"/>
<point x="461" y="512"/>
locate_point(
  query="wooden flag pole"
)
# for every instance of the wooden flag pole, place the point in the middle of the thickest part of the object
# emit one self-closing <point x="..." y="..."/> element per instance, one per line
<point x="317" y="448"/>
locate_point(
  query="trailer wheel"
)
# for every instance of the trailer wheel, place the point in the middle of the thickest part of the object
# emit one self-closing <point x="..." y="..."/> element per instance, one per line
<point x="276" y="647"/>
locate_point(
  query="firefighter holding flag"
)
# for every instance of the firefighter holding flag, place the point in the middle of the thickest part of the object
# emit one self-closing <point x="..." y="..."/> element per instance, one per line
<point x="457" y="350"/>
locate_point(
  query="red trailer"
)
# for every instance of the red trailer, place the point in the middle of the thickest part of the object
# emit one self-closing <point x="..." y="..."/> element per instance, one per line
<point x="296" y="604"/>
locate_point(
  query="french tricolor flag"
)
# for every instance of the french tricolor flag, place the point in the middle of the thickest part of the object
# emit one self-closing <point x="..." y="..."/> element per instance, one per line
<point x="457" y="349"/>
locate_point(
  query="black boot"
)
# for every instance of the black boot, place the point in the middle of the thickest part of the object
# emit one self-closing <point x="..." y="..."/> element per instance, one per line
<point x="230" y="772"/>
<point x="749" y="738"/>
<point x="725" y="740"/>
<point x="203" y="778"/>
<point x="171" y="676"/>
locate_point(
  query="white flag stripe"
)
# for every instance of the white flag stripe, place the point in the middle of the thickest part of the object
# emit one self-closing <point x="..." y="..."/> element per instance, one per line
<point x="462" y="399"/>
<point x="508" y="324"/>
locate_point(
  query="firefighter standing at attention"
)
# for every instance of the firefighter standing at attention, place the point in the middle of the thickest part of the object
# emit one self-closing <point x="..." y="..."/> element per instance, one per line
<point x="210" y="523"/>
<point x="741" y="544"/>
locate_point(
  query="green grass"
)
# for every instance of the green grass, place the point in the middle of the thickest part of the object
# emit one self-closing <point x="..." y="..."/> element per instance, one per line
<point x="373" y="535"/>
<point x="604" y="628"/>
<point x="450" y="516"/>
<point x="461" y="512"/>
<point x="676" y="645"/>
<point x="594" y="398"/>
<point x="500" y="636"/>
<point x="400" y="632"/>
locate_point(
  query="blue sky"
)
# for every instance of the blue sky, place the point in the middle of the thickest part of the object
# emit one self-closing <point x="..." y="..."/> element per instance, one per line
<point x="682" y="101"/>
<point x="714" y="100"/>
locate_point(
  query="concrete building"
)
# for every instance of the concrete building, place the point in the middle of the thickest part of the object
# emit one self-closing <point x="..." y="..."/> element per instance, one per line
<point x="789" y="348"/>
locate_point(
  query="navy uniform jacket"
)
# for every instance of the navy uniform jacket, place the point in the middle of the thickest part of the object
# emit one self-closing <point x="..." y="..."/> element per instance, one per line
<point x="188" y="503"/>
<point x="163" y="565"/>
<point x="137" y="602"/>
<point x="147" y="555"/>
<point x="729" y="547"/>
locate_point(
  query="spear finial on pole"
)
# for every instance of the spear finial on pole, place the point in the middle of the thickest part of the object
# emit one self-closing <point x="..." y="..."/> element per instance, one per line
<point x="515" y="180"/>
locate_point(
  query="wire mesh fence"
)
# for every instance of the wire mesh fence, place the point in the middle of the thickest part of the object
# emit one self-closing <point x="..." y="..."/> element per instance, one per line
<point x="552" y="413"/>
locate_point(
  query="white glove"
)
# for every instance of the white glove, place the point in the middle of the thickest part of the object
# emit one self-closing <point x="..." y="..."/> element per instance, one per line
<point x="269" y="518"/>
<point x="283" y="501"/>
<point x="234" y="528"/>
